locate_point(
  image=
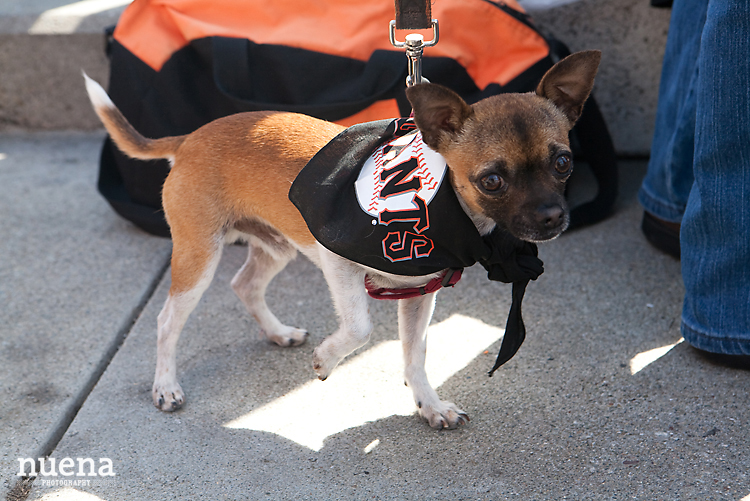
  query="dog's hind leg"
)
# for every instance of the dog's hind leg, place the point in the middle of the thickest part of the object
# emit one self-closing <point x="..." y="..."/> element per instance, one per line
<point x="414" y="316"/>
<point x="250" y="284"/>
<point x="346" y="280"/>
<point x="193" y="267"/>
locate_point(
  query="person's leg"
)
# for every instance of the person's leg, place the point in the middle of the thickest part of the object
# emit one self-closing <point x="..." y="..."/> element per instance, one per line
<point x="665" y="189"/>
<point x="715" y="236"/>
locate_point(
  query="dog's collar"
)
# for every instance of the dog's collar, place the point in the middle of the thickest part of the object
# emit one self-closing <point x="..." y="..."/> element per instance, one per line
<point x="448" y="278"/>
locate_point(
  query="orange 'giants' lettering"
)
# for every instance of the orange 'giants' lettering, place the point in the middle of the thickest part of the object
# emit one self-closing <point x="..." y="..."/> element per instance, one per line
<point x="398" y="246"/>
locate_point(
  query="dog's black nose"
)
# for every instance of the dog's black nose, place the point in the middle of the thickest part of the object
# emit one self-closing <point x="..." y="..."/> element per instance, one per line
<point x="550" y="216"/>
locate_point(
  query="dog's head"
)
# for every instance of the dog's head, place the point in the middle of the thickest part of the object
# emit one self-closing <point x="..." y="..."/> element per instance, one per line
<point x="509" y="155"/>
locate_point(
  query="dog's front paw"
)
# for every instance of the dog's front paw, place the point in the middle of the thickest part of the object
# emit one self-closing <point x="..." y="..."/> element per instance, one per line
<point x="168" y="397"/>
<point x="324" y="362"/>
<point x="288" y="336"/>
<point x="443" y="415"/>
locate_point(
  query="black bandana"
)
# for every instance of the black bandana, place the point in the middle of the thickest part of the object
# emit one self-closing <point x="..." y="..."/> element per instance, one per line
<point x="378" y="196"/>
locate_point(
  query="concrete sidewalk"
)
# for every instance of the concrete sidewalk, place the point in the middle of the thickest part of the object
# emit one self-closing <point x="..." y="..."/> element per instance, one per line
<point x="594" y="406"/>
<point x="73" y="278"/>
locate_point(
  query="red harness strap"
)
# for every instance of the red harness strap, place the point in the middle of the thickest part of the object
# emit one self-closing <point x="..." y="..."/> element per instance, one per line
<point x="448" y="278"/>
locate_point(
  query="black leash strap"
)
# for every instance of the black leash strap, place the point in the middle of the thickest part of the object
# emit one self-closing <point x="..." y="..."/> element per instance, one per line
<point x="413" y="15"/>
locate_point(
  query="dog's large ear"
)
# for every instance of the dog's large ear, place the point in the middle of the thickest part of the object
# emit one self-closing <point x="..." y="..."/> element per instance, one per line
<point x="569" y="82"/>
<point x="439" y="112"/>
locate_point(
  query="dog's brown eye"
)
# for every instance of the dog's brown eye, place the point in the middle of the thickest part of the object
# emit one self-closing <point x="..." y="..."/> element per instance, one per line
<point x="563" y="164"/>
<point x="492" y="182"/>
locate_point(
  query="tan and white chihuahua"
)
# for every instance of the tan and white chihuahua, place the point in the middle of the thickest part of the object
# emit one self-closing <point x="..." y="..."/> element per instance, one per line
<point x="508" y="159"/>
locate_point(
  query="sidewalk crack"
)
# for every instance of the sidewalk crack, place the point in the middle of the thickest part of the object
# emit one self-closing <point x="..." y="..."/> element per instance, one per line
<point x="23" y="485"/>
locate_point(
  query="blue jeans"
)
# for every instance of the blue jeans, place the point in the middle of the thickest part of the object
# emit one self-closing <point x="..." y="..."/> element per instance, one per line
<point x="699" y="171"/>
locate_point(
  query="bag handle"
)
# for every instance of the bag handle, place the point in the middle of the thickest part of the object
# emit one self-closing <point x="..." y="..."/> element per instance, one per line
<point x="380" y="78"/>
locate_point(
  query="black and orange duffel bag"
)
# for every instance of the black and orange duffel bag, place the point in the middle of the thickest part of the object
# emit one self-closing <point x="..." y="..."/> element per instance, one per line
<point x="178" y="64"/>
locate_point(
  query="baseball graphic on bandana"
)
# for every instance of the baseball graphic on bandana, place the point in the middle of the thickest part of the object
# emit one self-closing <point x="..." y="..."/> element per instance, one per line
<point x="401" y="176"/>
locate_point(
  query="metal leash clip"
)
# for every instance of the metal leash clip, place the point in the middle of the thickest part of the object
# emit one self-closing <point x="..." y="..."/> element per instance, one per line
<point x="414" y="45"/>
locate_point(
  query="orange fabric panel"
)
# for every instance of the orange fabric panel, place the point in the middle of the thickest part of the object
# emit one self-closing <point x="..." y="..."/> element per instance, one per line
<point x="480" y="37"/>
<point x="473" y="32"/>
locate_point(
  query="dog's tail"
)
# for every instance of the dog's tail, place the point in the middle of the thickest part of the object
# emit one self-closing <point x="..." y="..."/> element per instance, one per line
<point x="129" y="140"/>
